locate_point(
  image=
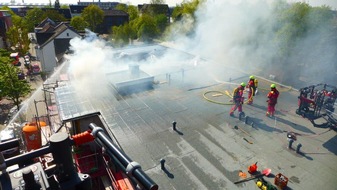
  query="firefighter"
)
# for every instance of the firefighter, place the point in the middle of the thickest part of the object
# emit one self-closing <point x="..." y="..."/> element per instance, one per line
<point x="238" y="98"/>
<point x="272" y="100"/>
<point x="256" y="82"/>
<point x="251" y="86"/>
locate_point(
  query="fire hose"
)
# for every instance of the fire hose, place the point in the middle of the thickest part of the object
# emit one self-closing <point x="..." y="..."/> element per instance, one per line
<point x="223" y="93"/>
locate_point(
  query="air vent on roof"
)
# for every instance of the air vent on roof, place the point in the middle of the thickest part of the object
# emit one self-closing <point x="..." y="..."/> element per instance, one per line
<point x="130" y="81"/>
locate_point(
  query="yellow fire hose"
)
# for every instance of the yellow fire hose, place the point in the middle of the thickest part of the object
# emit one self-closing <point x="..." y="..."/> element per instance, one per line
<point x="222" y="93"/>
<point x="226" y="92"/>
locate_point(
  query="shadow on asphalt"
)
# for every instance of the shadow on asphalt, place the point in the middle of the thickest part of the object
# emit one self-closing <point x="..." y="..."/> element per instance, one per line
<point x="294" y="125"/>
<point x="259" y="125"/>
<point x="170" y="175"/>
<point x="331" y="145"/>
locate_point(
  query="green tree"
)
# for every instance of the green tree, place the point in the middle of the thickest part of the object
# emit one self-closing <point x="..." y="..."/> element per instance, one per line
<point x="78" y="23"/>
<point x="186" y="8"/>
<point x="17" y="35"/>
<point x="133" y="12"/>
<point x="33" y="17"/>
<point x="54" y="15"/>
<point x="121" y="34"/>
<point x="10" y="85"/>
<point x="320" y="18"/>
<point x="93" y="15"/>
<point x="161" y="22"/>
<point x="11" y="12"/>
<point x="304" y="37"/>
<point x="122" y="7"/>
<point x="146" y="28"/>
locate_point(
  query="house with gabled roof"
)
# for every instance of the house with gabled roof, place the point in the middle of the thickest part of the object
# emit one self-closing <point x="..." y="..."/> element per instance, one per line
<point x="112" y="18"/>
<point x="52" y="43"/>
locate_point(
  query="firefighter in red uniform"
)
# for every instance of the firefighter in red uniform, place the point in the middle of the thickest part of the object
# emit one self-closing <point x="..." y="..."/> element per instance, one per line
<point x="272" y="100"/>
<point x="238" y="99"/>
<point x="251" y="86"/>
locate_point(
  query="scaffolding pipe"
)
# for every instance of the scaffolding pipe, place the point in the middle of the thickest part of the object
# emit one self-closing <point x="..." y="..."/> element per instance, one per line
<point x="13" y="143"/>
<point x="22" y="158"/>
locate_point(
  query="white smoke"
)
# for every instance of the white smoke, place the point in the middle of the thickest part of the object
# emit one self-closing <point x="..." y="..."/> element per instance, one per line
<point x="231" y="33"/>
<point x="90" y="62"/>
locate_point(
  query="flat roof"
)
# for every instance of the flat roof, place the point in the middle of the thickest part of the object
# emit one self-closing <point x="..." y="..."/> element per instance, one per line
<point x="207" y="151"/>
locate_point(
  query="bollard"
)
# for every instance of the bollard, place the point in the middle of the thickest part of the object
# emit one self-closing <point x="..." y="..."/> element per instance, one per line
<point x="174" y="125"/>
<point x="162" y="163"/>
<point x="298" y="148"/>
<point x="252" y="124"/>
<point x="290" y="143"/>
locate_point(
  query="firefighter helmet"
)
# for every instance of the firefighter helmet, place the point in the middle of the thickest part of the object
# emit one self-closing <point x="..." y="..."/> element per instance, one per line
<point x="272" y="86"/>
<point x="251" y="77"/>
<point x="243" y="84"/>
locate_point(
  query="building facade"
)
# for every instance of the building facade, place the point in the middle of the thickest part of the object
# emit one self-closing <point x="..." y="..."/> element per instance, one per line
<point x="5" y="24"/>
<point x="52" y="44"/>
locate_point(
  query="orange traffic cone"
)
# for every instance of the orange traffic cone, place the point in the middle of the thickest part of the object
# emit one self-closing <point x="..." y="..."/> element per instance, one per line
<point x="252" y="168"/>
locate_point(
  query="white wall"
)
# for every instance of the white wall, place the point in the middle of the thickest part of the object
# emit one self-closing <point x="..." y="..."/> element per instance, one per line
<point x="49" y="62"/>
<point x="47" y="55"/>
<point x="70" y="33"/>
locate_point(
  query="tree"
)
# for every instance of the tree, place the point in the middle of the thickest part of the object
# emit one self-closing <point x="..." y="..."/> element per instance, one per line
<point x="146" y="27"/>
<point x="122" y="7"/>
<point x="78" y="23"/>
<point x="121" y="34"/>
<point x="161" y="22"/>
<point x="17" y="35"/>
<point x="32" y="18"/>
<point x="305" y="40"/>
<point x="186" y="8"/>
<point x="157" y="2"/>
<point x="131" y="10"/>
<point x="54" y="15"/>
<point x="10" y="85"/>
<point x="93" y="15"/>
